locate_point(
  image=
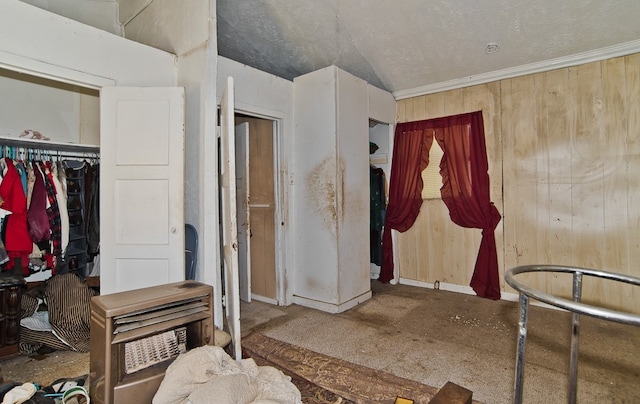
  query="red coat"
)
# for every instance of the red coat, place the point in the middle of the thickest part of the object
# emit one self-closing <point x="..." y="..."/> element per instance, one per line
<point x="17" y="243"/>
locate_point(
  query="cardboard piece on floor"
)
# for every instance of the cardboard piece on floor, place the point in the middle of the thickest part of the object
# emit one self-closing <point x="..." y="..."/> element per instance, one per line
<point x="451" y="393"/>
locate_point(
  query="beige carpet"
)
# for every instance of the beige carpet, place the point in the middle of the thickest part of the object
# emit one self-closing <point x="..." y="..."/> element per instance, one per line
<point x="434" y="336"/>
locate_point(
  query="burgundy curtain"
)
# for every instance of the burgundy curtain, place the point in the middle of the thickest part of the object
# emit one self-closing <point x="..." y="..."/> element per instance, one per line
<point x="465" y="190"/>
<point x="411" y="146"/>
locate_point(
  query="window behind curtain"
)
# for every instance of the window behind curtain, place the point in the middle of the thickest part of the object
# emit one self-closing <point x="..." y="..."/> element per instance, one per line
<point x="431" y="178"/>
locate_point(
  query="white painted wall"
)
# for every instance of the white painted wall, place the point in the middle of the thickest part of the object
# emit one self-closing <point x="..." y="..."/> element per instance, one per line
<point x="264" y="95"/>
<point x="50" y="108"/>
<point x="89" y="117"/>
<point x="197" y="74"/>
<point x="382" y="108"/>
<point x="382" y="105"/>
<point x="191" y="69"/>
<point x="99" y="14"/>
<point x="177" y="27"/>
<point x="39" y="42"/>
<point x="128" y="9"/>
<point x="257" y="91"/>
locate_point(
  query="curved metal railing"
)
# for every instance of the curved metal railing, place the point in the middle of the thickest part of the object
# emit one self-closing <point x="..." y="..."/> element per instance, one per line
<point x="575" y="306"/>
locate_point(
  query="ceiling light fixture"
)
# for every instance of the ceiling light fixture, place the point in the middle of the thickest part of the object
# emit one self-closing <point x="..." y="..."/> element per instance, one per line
<point x="491" y="47"/>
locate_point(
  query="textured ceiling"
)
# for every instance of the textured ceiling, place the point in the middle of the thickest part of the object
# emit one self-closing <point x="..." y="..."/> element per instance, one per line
<point x="397" y="45"/>
<point x="404" y="44"/>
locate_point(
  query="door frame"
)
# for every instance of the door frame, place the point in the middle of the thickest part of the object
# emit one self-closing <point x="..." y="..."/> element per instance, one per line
<point x="280" y="218"/>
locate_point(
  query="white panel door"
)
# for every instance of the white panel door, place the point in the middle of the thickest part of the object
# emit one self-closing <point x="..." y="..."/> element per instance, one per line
<point x="244" y="217"/>
<point x="141" y="187"/>
<point x="229" y="217"/>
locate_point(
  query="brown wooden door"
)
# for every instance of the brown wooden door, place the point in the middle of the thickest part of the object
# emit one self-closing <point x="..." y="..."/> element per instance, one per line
<point x="261" y="206"/>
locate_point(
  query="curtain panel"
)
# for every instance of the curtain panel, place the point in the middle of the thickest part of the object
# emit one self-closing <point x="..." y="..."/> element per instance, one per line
<point x="465" y="190"/>
<point x="410" y="157"/>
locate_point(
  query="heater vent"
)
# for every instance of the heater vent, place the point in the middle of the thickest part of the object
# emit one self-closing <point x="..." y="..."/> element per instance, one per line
<point x="159" y="315"/>
<point x="152" y="320"/>
<point x="146" y="352"/>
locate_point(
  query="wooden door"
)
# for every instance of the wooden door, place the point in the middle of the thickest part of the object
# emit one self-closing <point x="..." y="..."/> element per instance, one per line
<point x="262" y="206"/>
<point x="229" y="217"/>
<point x="141" y="187"/>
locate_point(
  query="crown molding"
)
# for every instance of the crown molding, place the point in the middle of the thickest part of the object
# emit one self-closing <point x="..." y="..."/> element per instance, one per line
<point x="609" y="52"/>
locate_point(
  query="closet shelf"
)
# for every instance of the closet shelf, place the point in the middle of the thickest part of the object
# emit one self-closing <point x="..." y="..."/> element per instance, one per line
<point x="48" y="145"/>
<point x="378" y="158"/>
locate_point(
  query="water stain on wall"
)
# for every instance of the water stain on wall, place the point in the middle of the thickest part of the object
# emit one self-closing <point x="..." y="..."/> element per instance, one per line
<point x="321" y="192"/>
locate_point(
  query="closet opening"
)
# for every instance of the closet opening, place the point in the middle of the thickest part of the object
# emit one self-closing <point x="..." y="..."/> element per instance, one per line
<point x="49" y="209"/>
<point x="379" y="174"/>
<point x="49" y="133"/>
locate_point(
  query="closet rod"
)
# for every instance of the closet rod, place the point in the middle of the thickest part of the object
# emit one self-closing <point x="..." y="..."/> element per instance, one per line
<point x="47" y="145"/>
<point x="55" y="155"/>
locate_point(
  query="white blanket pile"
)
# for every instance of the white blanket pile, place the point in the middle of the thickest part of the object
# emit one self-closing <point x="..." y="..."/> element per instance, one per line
<point x="209" y="375"/>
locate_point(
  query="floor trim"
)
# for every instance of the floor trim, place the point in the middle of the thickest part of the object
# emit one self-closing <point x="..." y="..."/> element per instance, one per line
<point x="467" y="290"/>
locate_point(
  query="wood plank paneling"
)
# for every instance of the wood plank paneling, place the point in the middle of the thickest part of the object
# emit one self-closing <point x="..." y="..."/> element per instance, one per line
<point x="615" y="176"/>
<point x="632" y="159"/>
<point x="519" y="117"/>
<point x="564" y="157"/>
<point x="558" y="177"/>
<point x="587" y="191"/>
<point x="541" y="177"/>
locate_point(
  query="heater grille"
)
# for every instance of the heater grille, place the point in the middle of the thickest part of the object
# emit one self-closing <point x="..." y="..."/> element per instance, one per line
<point x="149" y="351"/>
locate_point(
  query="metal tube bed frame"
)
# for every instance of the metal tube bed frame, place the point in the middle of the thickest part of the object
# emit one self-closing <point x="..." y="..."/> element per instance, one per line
<point x="575" y="306"/>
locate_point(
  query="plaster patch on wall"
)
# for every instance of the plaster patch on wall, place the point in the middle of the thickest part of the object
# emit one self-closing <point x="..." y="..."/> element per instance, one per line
<point x="322" y="192"/>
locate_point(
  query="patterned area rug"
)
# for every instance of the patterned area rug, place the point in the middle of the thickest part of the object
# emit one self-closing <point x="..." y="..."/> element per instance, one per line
<point x="324" y="379"/>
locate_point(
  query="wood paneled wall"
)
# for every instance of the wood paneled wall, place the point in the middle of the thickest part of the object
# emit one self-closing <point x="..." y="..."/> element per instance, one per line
<point x="564" y="165"/>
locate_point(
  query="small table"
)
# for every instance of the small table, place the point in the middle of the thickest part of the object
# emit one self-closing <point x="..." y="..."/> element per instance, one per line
<point x="10" y="299"/>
